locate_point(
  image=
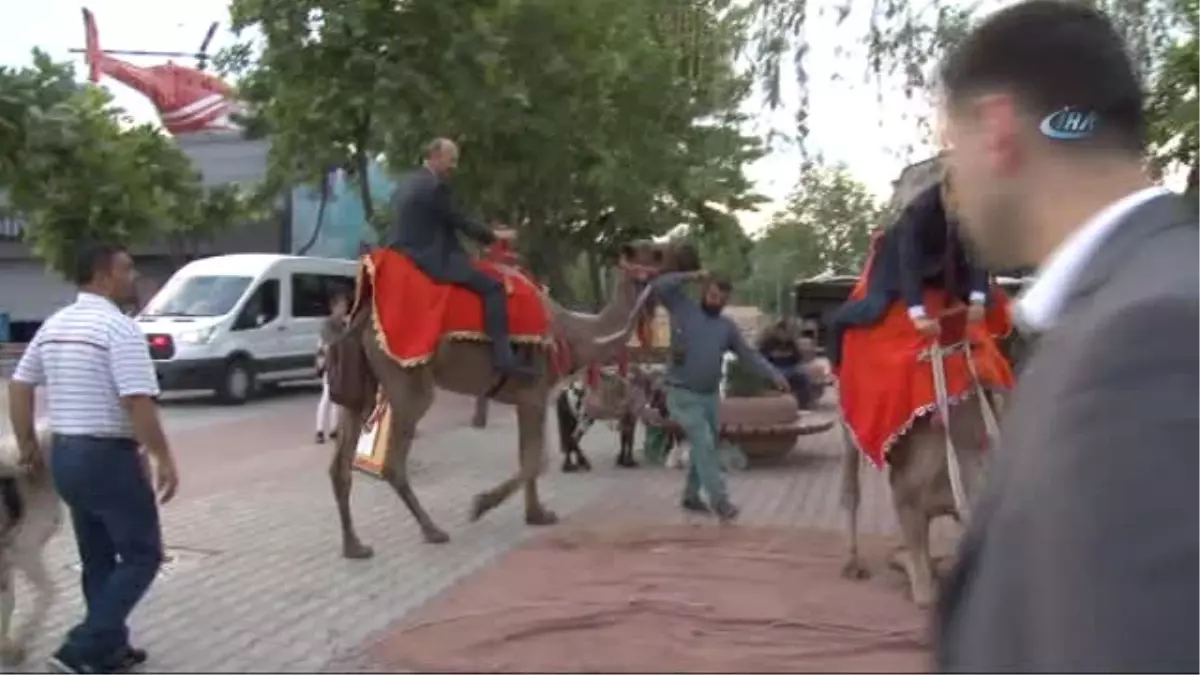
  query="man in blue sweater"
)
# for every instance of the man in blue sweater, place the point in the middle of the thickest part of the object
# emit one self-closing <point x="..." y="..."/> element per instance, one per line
<point x="700" y="336"/>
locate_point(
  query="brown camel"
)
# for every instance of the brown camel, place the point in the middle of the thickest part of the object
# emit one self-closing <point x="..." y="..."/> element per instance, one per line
<point x="465" y="367"/>
<point x="919" y="478"/>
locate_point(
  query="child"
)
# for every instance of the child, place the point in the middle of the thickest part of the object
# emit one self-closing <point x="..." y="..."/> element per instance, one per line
<point x="331" y="329"/>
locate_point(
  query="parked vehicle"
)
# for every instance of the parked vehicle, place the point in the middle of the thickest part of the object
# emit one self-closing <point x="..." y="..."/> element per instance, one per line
<point x="232" y="323"/>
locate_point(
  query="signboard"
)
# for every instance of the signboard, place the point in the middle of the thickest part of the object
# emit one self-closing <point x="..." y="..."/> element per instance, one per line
<point x="374" y="440"/>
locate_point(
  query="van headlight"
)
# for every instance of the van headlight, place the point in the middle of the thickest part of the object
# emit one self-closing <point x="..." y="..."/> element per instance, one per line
<point x="199" y="336"/>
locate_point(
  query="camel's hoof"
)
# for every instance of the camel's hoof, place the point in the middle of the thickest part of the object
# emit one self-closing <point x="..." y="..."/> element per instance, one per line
<point x="855" y="571"/>
<point x="357" y="551"/>
<point x="541" y="517"/>
<point x="435" y="536"/>
<point x="12" y="655"/>
<point x="479" y="506"/>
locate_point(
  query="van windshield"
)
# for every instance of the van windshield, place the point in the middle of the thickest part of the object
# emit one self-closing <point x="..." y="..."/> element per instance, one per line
<point x="198" y="296"/>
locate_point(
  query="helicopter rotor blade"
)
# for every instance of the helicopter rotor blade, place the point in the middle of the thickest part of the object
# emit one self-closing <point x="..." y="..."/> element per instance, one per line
<point x="212" y="30"/>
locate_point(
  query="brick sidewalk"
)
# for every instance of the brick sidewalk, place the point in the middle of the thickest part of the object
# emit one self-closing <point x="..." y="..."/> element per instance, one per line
<point x="258" y="583"/>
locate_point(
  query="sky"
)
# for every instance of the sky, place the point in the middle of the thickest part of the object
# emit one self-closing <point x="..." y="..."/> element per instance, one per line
<point x="847" y="123"/>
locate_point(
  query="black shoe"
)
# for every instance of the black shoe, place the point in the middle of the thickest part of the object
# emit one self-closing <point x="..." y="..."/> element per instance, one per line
<point x="333" y="435"/>
<point x="320" y="437"/>
<point x="727" y="512"/>
<point x="510" y="368"/>
<point x="129" y="658"/>
<point x="695" y="505"/>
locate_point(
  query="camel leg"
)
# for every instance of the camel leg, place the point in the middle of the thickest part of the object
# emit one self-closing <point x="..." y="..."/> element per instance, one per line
<point x="14" y="647"/>
<point x="409" y="394"/>
<point x="531" y="424"/>
<point x="851" y="498"/>
<point x="340" y="474"/>
<point x="480" y="419"/>
<point x="531" y="419"/>
<point x="914" y="527"/>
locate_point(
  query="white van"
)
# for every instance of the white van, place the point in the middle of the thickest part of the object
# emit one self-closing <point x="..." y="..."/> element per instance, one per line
<point x="230" y="323"/>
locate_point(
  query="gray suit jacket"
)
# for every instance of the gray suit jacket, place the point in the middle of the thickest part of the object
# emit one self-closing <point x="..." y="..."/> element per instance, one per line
<point x="425" y="227"/>
<point x="1082" y="552"/>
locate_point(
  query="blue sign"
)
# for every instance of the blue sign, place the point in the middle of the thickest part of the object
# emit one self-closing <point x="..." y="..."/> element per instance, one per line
<point x="1068" y="124"/>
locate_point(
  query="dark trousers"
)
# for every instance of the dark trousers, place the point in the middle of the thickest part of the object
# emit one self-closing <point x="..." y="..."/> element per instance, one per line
<point x="495" y="312"/>
<point x="801" y="385"/>
<point x="864" y="312"/>
<point x="113" y="509"/>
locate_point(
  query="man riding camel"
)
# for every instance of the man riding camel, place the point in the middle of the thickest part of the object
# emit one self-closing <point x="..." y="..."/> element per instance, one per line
<point x="923" y="249"/>
<point x="425" y="228"/>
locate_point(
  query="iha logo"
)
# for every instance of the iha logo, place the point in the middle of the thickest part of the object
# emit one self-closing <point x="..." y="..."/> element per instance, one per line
<point x="1068" y="124"/>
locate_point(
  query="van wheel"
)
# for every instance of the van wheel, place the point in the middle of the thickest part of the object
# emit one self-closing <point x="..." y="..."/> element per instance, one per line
<point x="237" y="382"/>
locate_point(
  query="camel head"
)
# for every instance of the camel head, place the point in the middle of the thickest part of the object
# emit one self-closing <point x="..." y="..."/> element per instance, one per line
<point x="641" y="261"/>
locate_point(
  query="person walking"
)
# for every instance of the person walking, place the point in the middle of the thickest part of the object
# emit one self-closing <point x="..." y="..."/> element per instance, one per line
<point x="100" y="385"/>
<point x="331" y="329"/>
<point x="700" y="337"/>
<point x="1081" y="554"/>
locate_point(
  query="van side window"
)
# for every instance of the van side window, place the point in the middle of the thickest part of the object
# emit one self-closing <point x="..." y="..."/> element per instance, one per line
<point x="262" y="308"/>
<point x="312" y="293"/>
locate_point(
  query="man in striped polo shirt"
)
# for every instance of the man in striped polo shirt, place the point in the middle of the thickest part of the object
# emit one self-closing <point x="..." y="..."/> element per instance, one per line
<point x="100" y="388"/>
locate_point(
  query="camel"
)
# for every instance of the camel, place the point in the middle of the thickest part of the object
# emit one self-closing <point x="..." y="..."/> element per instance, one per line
<point x="919" y="478"/>
<point x="465" y="367"/>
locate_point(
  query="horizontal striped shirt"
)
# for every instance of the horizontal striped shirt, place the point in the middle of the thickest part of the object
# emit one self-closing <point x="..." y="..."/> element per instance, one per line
<point x="88" y="356"/>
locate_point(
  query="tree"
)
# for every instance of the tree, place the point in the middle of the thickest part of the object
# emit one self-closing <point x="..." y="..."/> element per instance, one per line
<point x="581" y="124"/>
<point x="825" y="228"/>
<point x="905" y="40"/>
<point x="72" y="171"/>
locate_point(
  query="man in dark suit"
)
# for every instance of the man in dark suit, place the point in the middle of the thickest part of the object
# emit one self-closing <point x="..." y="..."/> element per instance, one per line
<point x="923" y="249"/>
<point x="425" y="228"/>
<point x="1081" y="555"/>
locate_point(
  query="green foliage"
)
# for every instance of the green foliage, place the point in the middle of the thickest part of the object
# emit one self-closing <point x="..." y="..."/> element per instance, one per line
<point x="1173" y="115"/>
<point x="825" y="228"/>
<point x="564" y="111"/>
<point x="72" y="169"/>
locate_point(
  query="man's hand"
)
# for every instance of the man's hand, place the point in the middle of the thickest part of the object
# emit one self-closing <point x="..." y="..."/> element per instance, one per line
<point x="780" y="382"/>
<point x="976" y="313"/>
<point x="926" y="326"/>
<point x="166" y="480"/>
<point x="30" y="458"/>
<point x="505" y="234"/>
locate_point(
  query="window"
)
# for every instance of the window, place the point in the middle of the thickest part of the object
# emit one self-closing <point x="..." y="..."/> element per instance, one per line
<point x="313" y="293"/>
<point x="262" y="308"/>
<point x="198" y="296"/>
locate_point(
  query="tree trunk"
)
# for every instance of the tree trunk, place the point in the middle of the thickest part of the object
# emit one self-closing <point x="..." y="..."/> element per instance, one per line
<point x="312" y="239"/>
<point x="594" y="280"/>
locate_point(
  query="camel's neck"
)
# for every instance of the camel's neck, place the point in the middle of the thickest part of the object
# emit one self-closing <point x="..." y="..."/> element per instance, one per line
<point x="599" y="337"/>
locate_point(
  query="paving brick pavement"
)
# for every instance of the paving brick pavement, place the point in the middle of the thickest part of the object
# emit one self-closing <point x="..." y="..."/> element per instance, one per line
<point x="258" y="583"/>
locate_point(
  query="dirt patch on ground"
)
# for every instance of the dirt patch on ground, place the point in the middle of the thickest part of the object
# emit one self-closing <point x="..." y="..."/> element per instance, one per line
<point x="666" y="598"/>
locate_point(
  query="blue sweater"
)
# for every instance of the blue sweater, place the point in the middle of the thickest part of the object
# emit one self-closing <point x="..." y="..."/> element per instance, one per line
<point x="699" y="341"/>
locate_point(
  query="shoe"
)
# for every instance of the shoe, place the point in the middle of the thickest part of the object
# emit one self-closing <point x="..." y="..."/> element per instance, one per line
<point x="516" y="371"/>
<point x="333" y="435"/>
<point x="129" y="658"/>
<point x="727" y="512"/>
<point x="695" y="505"/>
<point x="320" y="437"/>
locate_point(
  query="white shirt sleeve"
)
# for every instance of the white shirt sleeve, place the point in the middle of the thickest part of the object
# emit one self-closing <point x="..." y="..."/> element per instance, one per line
<point x="29" y="368"/>
<point x="132" y="369"/>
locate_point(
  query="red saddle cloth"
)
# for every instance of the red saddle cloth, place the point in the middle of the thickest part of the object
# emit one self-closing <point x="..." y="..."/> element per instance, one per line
<point x="883" y="384"/>
<point x="414" y="313"/>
